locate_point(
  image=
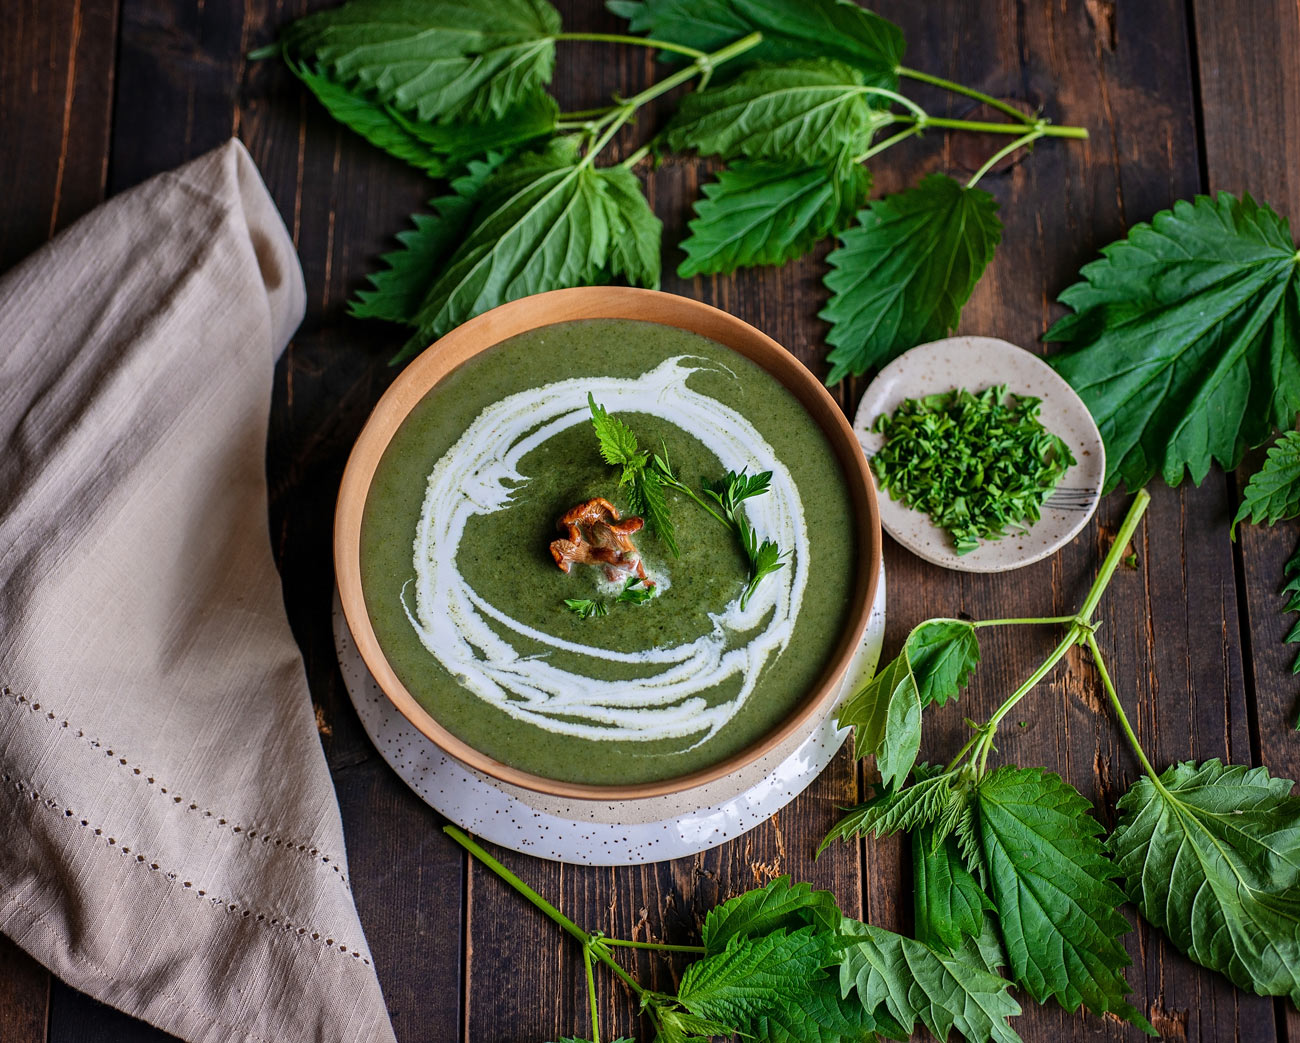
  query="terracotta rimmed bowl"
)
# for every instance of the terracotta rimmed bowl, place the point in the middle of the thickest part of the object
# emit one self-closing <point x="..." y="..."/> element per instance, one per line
<point x="546" y="309"/>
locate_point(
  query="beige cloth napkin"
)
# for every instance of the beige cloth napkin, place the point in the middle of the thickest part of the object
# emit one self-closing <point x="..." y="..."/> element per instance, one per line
<point x="169" y="839"/>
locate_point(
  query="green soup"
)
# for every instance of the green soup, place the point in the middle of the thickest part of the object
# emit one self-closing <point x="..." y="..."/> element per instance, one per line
<point x="469" y="606"/>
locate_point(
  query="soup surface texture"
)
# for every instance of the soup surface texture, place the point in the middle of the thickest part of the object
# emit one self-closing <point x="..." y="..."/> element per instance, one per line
<point x="468" y="604"/>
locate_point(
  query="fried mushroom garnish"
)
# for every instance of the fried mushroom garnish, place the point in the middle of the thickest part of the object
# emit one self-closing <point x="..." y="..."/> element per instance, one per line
<point x="596" y="536"/>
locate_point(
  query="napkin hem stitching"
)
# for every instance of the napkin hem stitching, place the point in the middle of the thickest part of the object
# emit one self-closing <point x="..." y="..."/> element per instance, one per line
<point x="249" y="833"/>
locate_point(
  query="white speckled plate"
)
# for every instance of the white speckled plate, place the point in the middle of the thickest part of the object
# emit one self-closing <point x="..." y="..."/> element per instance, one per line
<point x="628" y="832"/>
<point x="975" y="363"/>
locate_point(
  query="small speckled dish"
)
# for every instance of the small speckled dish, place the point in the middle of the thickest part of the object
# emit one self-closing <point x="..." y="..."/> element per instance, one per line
<point x="976" y="363"/>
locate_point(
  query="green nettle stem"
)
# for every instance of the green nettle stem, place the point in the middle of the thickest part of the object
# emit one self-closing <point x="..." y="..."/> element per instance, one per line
<point x="591" y="994"/>
<point x="970" y="92"/>
<point x="1080" y="632"/>
<point x="989" y="163"/>
<point x="1049" y="130"/>
<point x="1119" y="712"/>
<point x="639" y="41"/>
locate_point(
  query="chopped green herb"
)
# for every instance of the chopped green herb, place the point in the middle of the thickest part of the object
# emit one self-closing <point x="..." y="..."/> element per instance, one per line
<point x="635" y="592"/>
<point x="585" y="608"/>
<point x="979" y="464"/>
<point x="1131" y="561"/>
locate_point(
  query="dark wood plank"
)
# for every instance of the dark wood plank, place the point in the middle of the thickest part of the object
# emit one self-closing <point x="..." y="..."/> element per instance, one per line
<point x="1250" y="104"/>
<point x="56" y="85"/>
<point x="1124" y="73"/>
<point x="56" y="82"/>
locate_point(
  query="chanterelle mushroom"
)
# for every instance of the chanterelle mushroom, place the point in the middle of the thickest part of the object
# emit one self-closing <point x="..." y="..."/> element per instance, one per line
<point x="598" y="537"/>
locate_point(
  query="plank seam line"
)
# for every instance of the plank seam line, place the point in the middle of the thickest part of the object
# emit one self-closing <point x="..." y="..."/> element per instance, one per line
<point x="251" y="834"/>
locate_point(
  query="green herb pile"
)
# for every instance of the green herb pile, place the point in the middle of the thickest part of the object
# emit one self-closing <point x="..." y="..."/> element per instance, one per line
<point x="795" y="96"/>
<point x="634" y="592"/>
<point x="646" y="475"/>
<point x="783" y="964"/>
<point x="1209" y="853"/>
<point x="980" y="465"/>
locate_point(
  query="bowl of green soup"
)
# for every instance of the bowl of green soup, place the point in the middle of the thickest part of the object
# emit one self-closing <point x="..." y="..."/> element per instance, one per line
<point x="544" y="617"/>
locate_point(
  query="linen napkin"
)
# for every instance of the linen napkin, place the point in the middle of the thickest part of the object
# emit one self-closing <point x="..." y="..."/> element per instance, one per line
<point x="169" y="838"/>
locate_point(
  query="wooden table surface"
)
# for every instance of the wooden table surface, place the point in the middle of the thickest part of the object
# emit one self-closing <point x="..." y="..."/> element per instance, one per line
<point x="1181" y="96"/>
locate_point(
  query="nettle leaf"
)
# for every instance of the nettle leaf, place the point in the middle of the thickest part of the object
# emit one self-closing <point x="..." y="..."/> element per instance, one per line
<point x="1211" y="856"/>
<point x="400" y="288"/>
<point x="1185" y="341"/>
<point x="819" y="1015"/>
<point x="903" y="273"/>
<point x="779" y="905"/>
<point x="752" y="978"/>
<point x="1052" y="882"/>
<point x="916" y="983"/>
<point x="442" y="59"/>
<point x="1273" y="492"/>
<point x="936" y="798"/>
<point x="937" y="659"/>
<point x="1292" y="589"/>
<point x="767" y="212"/>
<point x="949" y="903"/>
<point x="796" y="112"/>
<point x="791" y="29"/>
<point x="544" y="221"/>
<point x="436" y="149"/>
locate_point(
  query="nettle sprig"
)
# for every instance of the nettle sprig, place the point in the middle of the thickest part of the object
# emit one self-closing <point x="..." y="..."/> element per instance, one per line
<point x="782" y="963"/>
<point x="1210" y="853"/>
<point x="797" y="97"/>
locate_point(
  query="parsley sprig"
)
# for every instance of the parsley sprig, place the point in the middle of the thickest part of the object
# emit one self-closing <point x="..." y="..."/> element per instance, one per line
<point x="648" y="474"/>
<point x="1208" y="852"/>
<point x="980" y="464"/>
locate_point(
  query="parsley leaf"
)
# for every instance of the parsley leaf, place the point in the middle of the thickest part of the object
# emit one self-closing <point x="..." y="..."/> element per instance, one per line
<point x="936" y="661"/>
<point x="1185" y="341"/>
<point x="1211" y="855"/>
<point x="586" y="608"/>
<point x="1051" y="881"/>
<point x="634" y="592"/>
<point x="544" y="221"/>
<point x="791" y="29"/>
<point x="438" y="150"/>
<point x="902" y="274"/>
<point x="803" y="111"/>
<point x="916" y="983"/>
<point x="1273" y="492"/>
<point x="398" y="289"/>
<point x="949" y="903"/>
<point x="441" y="59"/>
<point x="764" y="212"/>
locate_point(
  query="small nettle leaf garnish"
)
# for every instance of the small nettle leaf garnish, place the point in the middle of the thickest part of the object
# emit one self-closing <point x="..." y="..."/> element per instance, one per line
<point x="634" y="592"/>
<point x="586" y="608"/>
<point x="1273" y="492"/>
<point x="648" y="474"/>
<point x="1210" y="853"/>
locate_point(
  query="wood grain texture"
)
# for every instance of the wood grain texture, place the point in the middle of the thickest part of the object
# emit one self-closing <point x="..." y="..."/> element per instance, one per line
<point x="1250" y="110"/>
<point x="56" y="84"/>
<point x="24" y="996"/>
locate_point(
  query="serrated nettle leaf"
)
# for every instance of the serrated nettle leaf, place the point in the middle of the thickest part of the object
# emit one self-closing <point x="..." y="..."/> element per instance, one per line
<point x="751" y="977"/>
<point x="886" y="720"/>
<point x="936" y="798"/>
<point x="791" y="29"/>
<point x="949" y="904"/>
<point x="635" y="252"/>
<point x="1292" y="587"/>
<point x="399" y="289"/>
<point x="1273" y="492"/>
<point x="1051" y="880"/>
<point x="441" y="59"/>
<point x="1211" y="856"/>
<point x="681" y="1026"/>
<point x="903" y="273"/>
<point x="819" y="1015"/>
<point x="943" y="654"/>
<point x="797" y="112"/>
<point x="1185" y="339"/>
<point x="778" y="905"/>
<point x="766" y="212"/>
<point x="937" y="660"/>
<point x="915" y="983"/>
<point x="544" y="221"/>
<point x="437" y="150"/>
